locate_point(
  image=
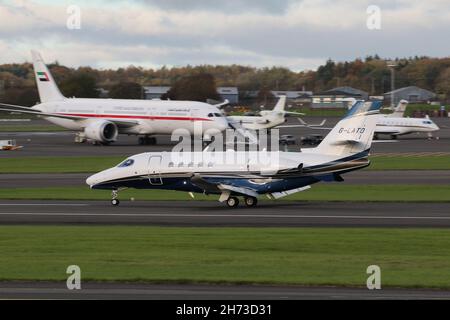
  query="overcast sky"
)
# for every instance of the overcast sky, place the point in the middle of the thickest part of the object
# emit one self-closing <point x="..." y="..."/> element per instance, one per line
<point x="298" y="34"/>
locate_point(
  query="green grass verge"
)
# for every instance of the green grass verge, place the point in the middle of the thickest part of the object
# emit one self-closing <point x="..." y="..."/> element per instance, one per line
<point x="319" y="192"/>
<point x="94" y="164"/>
<point x="408" y="162"/>
<point x="58" y="164"/>
<point x="307" y="256"/>
<point x="30" y="128"/>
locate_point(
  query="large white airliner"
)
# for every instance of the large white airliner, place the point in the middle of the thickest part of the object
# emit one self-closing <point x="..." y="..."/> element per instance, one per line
<point x="248" y="174"/>
<point x="101" y="120"/>
<point x="395" y="124"/>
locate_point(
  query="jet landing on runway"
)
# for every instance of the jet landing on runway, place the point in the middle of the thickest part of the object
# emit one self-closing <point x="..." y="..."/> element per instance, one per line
<point x="234" y="174"/>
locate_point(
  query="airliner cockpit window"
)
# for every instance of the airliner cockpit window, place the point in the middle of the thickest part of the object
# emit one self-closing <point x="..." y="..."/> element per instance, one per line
<point x="217" y="115"/>
<point x="210" y="115"/>
<point x="126" y="163"/>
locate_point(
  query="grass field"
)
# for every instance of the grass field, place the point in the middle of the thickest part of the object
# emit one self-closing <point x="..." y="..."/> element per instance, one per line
<point x="30" y="128"/>
<point x="95" y="164"/>
<point x="308" y="256"/>
<point x="318" y="192"/>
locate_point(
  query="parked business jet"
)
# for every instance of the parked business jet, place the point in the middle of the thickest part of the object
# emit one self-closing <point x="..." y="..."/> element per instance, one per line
<point x="101" y="120"/>
<point x="248" y="174"/>
<point x="395" y="124"/>
<point x="268" y="119"/>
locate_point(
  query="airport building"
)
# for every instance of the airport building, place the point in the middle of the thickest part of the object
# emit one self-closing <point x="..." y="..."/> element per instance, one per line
<point x="229" y="93"/>
<point x="337" y="98"/>
<point x="155" y="92"/>
<point x="412" y="94"/>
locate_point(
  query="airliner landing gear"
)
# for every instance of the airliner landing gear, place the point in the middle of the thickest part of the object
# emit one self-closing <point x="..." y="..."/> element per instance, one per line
<point x="80" y="137"/>
<point x="232" y="202"/>
<point x="250" y="201"/>
<point x="114" y="200"/>
<point x="146" y="140"/>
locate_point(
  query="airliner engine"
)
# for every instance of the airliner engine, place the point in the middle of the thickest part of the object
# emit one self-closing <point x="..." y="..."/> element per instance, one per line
<point x="102" y="130"/>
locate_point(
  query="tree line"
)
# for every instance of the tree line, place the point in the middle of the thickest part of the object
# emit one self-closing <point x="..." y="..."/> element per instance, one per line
<point x="372" y="74"/>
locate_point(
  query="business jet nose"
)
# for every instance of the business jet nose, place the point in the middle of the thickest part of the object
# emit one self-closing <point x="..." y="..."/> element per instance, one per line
<point x="222" y="124"/>
<point x="93" y="180"/>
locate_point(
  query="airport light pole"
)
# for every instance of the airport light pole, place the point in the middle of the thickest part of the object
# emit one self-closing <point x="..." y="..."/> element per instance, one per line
<point x="392" y="65"/>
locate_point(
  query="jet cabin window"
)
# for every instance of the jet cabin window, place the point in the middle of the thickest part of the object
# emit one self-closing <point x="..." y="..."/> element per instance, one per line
<point x="126" y="163"/>
<point x="217" y="115"/>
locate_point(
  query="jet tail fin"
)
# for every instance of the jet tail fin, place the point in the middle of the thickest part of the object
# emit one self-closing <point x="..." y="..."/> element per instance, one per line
<point x="48" y="90"/>
<point x="281" y="104"/>
<point x="354" y="133"/>
<point x="399" y="110"/>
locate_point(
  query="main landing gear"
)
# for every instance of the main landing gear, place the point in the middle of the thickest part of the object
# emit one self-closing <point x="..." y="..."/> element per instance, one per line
<point x="146" y="140"/>
<point x="114" y="200"/>
<point x="233" y="202"/>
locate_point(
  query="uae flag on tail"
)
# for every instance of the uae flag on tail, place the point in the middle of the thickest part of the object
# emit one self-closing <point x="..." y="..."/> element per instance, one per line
<point x="42" y="76"/>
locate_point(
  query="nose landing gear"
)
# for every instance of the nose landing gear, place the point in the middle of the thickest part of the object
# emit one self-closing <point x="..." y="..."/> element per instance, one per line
<point x="114" y="200"/>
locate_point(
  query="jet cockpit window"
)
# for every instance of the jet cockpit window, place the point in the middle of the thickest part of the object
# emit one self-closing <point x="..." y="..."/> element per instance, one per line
<point x="217" y="115"/>
<point x="427" y="122"/>
<point x="210" y="115"/>
<point x="126" y="163"/>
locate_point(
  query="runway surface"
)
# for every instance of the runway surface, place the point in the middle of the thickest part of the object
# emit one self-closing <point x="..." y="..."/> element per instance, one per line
<point x="62" y="144"/>
<point x="431" y="177"/>
<point x="58" y="290"/>
<point x="214" y="214"/>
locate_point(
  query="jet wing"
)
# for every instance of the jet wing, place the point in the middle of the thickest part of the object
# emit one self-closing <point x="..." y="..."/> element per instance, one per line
<point x="306" y="125"/>
<point x="198" y="181"/>
<point x="240" y="190"/>
<point x="252" y="138"/>
<point x="26" y="110"/>
<point x="220" y="187"/>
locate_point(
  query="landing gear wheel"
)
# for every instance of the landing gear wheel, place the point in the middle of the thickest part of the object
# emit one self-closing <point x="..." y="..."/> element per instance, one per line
<point x="232" y="202"/>
<point x="114" y="200"/>
<point x="250" y="201"/>
<point x="147" y="140"/>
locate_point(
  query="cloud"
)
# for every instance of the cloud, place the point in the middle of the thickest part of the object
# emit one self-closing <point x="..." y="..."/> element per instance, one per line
<point x="296" y="34"/>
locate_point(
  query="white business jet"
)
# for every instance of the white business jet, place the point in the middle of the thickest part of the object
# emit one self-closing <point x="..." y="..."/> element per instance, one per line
<point x="395" y="124"/>
<point x="268" y="119"/>
<point x="232" y="173"/>
<point x="101" y="120"/>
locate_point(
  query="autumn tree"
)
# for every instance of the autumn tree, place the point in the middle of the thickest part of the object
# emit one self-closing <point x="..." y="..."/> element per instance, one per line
<point x="126" y="90"/>
<point x="198" y="87"/>
<point x="80" y="85"/>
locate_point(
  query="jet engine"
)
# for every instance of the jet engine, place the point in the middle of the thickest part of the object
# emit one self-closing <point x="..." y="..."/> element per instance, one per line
<point x="102" y="131"/>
